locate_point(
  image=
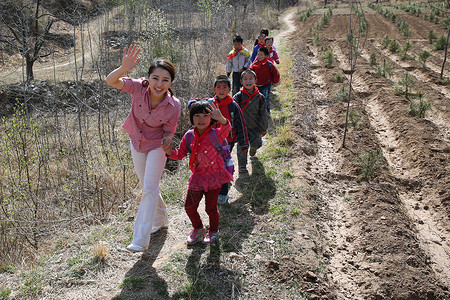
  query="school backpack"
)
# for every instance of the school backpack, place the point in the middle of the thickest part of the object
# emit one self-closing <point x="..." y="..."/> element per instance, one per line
<point x="223" y="148"/>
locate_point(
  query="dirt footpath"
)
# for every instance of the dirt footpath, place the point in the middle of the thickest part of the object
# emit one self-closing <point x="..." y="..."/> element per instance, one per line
<point x="387" y="237"/>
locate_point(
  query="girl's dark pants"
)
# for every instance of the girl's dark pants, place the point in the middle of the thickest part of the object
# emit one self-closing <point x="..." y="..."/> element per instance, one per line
<point x="191" y="205"/>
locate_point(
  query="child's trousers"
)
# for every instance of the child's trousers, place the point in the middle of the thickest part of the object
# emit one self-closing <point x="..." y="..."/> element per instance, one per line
<point x="236" y="83"/>
<point x="152" y="212"/>
<point x="193" y="199"/>
<point x="255" y="140"/>
<point x="265" y="90"/>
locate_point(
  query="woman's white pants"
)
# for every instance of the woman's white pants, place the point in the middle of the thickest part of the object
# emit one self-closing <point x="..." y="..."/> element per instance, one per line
<point x="152" y="212"/>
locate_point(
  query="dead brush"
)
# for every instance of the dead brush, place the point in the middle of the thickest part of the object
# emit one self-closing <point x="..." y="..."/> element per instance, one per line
<point x="100" y="252"/>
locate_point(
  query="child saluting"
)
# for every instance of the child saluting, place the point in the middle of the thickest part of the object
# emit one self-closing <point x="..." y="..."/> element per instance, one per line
<point x="207" y="166"/>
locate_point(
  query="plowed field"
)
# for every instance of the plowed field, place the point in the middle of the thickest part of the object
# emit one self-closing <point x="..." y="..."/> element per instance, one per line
<point x="388" y="236"/>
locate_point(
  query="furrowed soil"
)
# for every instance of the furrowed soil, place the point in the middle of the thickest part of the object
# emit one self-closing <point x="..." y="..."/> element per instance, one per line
<point x="326" y="232"/>
<point x="388" y="237"/>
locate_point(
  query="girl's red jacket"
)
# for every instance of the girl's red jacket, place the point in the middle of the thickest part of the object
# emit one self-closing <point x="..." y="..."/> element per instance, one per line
<point x="266" y="72"/>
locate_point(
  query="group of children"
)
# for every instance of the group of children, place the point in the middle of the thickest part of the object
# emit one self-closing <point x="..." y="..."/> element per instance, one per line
<point x="244" y="120"/>
<point x="261" y="61"/>
<point x="219" y="122"/>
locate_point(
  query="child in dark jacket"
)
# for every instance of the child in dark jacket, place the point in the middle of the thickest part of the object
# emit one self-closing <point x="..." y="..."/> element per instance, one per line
<point x="266" y="74"/>
<point x="232" y="112"/>
<point x="254" y="109"/>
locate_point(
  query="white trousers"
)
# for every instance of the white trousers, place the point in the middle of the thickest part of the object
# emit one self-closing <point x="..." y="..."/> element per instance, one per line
<point x="152" y="212"/>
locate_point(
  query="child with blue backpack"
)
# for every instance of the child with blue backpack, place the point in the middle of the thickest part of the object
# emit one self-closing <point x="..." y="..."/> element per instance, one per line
<point x="207" y="166"/>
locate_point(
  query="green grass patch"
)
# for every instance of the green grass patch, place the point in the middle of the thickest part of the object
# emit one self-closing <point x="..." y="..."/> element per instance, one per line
<point x="132" y="282"/>
<point x="4" y="293"/>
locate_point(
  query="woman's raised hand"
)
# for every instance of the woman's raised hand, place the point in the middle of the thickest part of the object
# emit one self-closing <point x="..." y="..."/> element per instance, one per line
<point x="130" y="59"/>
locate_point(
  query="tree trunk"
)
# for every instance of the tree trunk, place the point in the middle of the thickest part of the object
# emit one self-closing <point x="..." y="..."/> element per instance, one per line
<point x="29" y="67"/>
<point x="445" y="56"/>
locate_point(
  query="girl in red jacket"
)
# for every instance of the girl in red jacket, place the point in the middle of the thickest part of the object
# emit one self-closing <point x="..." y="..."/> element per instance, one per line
<point x="266" y="74"/>
<point x="208" y="171"/>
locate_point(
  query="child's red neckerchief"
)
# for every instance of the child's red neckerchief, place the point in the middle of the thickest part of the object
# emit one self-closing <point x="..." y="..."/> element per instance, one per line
<point x="197" y="138"/>
<point x="257" y="63"/>
<point x="234" y="53"/>
<point x="225" y="101"/>
<point x="246" y="102"/>
<point x="261" y="45"/>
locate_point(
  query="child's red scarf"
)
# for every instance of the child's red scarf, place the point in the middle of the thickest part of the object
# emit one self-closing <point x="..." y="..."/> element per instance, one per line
<point x="246" y="102"/>
<point x="225" y="101"/>
<point x="236" y="52"/>
<point x="261" y="45"/>
<point x="258" y="64"/>
<point x="197" y="138"/>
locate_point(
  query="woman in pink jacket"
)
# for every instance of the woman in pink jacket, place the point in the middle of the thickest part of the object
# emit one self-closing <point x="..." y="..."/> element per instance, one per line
<point x="207" y="166"/>
<point x="151" y="123"/>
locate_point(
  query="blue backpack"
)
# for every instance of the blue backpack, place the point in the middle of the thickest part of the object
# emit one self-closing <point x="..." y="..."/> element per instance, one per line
<point x="223" y="148"/>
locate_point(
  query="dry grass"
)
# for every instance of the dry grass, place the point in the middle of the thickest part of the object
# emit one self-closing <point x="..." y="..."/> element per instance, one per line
<point x="100" y="252"/>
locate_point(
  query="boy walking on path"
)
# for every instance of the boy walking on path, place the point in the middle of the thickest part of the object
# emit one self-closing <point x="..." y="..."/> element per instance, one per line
<point x="254" y="109"/>
<point x="238" y="60"/>
<point x="232" y="112"/>
<point x="266" y="74"/>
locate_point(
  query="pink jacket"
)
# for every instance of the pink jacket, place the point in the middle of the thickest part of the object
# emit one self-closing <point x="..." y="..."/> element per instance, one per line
<point x="209" y="172"/>
<point x="145" y="126"/>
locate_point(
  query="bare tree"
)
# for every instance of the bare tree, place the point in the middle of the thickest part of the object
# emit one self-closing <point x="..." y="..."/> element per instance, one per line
<point x="25" y="30"/>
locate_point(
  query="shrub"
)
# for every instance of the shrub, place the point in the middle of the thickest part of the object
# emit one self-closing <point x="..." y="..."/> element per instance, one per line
<point x="338" y="78"/>
<point x="341" y="95"/>
<point x="316" y="40"/>
<point x="354" y="118"/>
<point x="369" y="163"/>
<point x="328" y="58"/>
<point x="419" y="108"/>
<point x="440" y="43"/>
<point x="384" y="70"/>
<point x="406" y="47"/>
<point x="386" y="42"/>
<point x="404" y="85"/>
<point x="394" y="46"/>
<point x="373" y="59"/>
<point x="431" y="36"/>
<point x="320" y="24"/>
<point x="423" y="56"/>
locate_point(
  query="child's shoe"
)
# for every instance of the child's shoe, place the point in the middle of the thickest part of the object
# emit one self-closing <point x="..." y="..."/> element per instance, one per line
<point x="252" y="151"/>
<point x="195" y="236"/>
<point x="211" y="237"/>
<point x="222" y="199"/>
